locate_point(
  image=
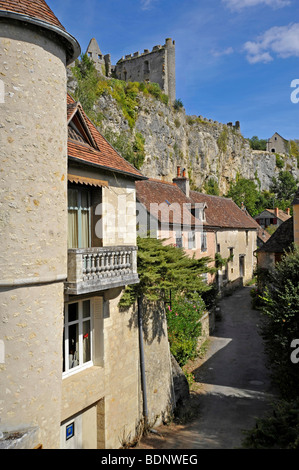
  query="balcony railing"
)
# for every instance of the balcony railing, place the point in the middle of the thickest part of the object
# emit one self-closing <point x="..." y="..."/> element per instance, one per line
<point x="96" y="269"/>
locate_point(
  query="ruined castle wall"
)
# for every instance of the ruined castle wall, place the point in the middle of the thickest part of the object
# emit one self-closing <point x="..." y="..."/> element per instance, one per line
<point x="33" y="229"/>
<point x="146" y="67"/>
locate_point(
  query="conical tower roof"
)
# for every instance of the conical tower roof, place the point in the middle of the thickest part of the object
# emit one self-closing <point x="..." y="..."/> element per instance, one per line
<point x="39" y="13"/>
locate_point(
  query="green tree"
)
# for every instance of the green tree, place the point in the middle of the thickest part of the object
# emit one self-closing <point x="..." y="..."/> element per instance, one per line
<point x="162" y="268"/>
<point x="258" y="144"/>
<point x="212" y="187"/>
<point x="284" y="187"/>
<point x="244" y="191"/>
<point x="281" y="309"/>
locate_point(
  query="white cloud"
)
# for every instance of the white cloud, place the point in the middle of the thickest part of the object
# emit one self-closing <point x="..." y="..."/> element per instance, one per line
<point x="239" y="4"/>
<point x="282" y="41"/>
<point x="147" y="4"/>
<point x="227" y="51"/>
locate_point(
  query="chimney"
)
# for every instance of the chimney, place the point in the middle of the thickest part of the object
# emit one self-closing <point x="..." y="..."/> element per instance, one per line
<point x="182" y="181"/>
<point x="288" y="211"/>
<point x="276" y="211"/>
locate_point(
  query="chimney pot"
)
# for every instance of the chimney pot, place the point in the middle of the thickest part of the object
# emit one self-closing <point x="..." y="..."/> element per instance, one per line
<point x="276" y="211"/>
<point x="178" y="171"/>
<point x="184" y="173"/>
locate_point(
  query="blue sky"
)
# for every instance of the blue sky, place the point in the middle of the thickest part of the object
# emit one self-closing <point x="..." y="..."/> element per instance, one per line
<point x="235" y="59"/>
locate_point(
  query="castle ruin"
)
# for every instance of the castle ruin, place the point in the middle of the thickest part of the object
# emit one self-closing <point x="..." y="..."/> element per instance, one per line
<point x="156" y="66"/>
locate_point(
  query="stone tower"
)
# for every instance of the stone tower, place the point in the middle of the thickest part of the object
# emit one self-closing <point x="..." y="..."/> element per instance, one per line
<point x="34" y="51"/>
<point x="102" y="63"/>
<point x="156" y="66"/>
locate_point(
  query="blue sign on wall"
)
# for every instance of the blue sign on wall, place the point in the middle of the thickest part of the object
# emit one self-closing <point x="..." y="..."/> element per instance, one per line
<point x="70" y="431"/>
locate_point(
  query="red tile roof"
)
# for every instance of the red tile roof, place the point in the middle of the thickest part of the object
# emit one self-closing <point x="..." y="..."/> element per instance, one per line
<point x="223" y="212"/>
<point x="103" y="154"/>
<point x="153" y="193"/>
<point x="37" y="9"/>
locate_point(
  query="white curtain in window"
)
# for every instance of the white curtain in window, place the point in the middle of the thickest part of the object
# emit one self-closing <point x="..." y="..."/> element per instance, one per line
<point x="84" y="229"/>
<point x="72" y="229"/>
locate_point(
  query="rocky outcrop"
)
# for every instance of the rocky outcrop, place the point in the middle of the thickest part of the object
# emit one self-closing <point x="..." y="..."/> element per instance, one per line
<point x="207" y="149"/>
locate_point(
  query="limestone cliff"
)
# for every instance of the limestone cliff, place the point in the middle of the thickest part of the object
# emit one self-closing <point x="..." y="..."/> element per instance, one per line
<point x="207" y="149"/>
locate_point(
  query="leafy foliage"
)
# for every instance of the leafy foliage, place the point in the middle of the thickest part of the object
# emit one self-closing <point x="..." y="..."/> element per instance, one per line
<point x="212" y="187"/>
<point x="281" y="308"/>
<point x="279" y="430"/>
<point x="130" y="146"/>
<point x="280" y="195"/>
<point x="162" y="268"/>
<point x="257" y="144"/>
<point x="278" y="300"/>
<point x="184" y="327"/>
<point x="177" y="104"/>
<point x="223" y="140"/>
<point x="284" y="187"/>
<point x="244" y="191"/>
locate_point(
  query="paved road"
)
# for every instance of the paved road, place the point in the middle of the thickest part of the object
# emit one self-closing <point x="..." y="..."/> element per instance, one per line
<point x="235" y="386"/>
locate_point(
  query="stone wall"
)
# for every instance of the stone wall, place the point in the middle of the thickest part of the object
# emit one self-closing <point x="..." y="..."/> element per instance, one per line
<point x="157" y="66"/>
<point x="33" y="230"/>
<point x="173" y="139"/>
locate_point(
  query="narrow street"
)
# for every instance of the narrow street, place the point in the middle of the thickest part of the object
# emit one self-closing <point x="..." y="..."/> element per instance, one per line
<point x="231" y="383"/>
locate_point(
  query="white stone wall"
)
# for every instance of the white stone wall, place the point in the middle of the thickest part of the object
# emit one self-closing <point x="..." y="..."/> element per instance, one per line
<point x="33" y="229"/>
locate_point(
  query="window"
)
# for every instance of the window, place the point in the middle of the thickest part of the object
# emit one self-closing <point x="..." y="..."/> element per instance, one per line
<point x="178" y="239"/>
<point x="78" y="218"/>
<point x="246" y="232"/>
<point x="146" y="68"/>
<point x="82" y="335"/>
<point x="77" y="335"/>
<point x="204" y="246"/>
<point x="191" y="240"/>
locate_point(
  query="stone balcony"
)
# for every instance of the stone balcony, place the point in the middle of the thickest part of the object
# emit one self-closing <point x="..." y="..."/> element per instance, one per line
<point x="98" y="269"/>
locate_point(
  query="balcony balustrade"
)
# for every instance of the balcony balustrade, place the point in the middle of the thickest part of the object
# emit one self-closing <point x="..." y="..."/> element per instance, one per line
<point x="97" y="269"/>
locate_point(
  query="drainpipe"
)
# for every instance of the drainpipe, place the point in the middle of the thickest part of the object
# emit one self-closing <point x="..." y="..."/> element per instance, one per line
<point x="142" y="364"/>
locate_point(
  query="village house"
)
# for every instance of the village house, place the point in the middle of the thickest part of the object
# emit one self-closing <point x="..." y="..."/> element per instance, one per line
<point x="277" y="144"/>
<point x="69" y="358"/>
<point x="216" y="226"/>
<point x="281" y="241"/>
<point x="274" y="217"/>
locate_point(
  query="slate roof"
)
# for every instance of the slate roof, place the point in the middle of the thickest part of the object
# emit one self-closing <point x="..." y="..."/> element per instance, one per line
<point x="262" y="234"/>
<point x="223" y="212"/>
<point x="37" y="9"/>
<point x="281" y="214"/>
<point x="153" y="192"/>
<point x="101" y="153"/>
<point x="281" y="240"/>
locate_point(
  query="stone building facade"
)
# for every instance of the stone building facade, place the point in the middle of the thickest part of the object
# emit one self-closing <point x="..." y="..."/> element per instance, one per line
<point x="35" y="50"/>
<point x="277" y="144"/>
<point x="69" y="358"/>
<point x="156" y="66"/>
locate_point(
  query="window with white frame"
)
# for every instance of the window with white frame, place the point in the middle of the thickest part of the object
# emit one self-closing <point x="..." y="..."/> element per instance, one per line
<point x="82" y="335"/>
<point x="179" y="239"/>
<point x="204" y="244"/>
<point x="79" y="233"/>
<point x="191" y="240"/>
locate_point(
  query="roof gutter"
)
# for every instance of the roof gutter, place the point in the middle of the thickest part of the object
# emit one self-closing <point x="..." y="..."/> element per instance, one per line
<point x="73" y="48"/>
<point x="114" y="170"/>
